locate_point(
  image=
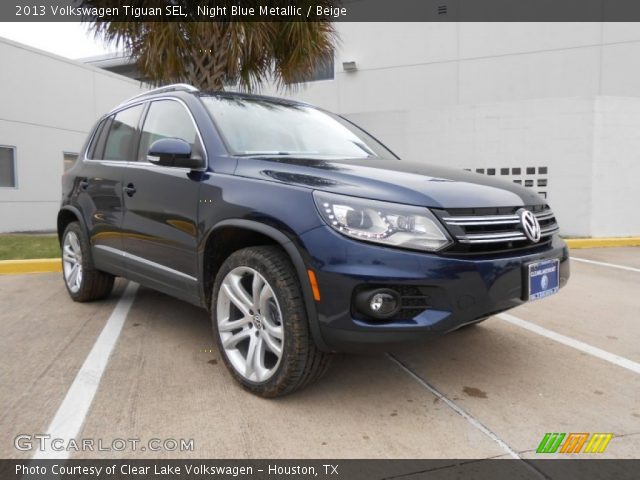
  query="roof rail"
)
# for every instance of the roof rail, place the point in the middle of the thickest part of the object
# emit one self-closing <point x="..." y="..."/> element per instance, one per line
<point x="176" y="87"/>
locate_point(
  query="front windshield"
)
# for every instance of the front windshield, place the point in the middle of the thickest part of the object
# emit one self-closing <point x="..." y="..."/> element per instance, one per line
<point x="254" y="126"/>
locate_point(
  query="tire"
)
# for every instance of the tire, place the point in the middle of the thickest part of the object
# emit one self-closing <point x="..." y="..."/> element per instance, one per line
<point x="88" y="283"/>
<point x="257" y="306"/>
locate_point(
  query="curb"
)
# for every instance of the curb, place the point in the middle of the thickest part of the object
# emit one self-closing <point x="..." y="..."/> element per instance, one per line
<point x="603" y="242"/>
<point x="38" y="265"/>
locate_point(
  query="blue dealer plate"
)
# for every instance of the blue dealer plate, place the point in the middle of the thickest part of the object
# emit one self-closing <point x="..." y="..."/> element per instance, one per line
<point x="544" y="278"/>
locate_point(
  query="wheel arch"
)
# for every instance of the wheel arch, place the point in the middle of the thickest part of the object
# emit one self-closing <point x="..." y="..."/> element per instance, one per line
<point x="251" y="233"/>
<point x="66" y="215"/>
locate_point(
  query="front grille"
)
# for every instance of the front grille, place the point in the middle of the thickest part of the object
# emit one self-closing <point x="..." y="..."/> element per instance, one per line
<point x="486" y="230"/>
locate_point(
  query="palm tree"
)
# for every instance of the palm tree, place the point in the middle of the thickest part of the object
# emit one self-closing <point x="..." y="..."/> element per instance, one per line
<point x="210" y="55"/>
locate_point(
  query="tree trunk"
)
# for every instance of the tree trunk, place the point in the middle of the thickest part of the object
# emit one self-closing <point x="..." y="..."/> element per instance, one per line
<point x="209" y="58"/>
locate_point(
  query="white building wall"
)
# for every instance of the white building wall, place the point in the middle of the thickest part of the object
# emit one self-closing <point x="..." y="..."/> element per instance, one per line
<point x="48" y="105"/>
<point x="616" y="167"/>
<point x="480" y="95"/>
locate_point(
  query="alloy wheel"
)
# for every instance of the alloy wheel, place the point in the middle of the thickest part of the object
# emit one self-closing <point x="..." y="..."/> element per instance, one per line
<point x="250" y="324"/>
<point x="72" y="261"/>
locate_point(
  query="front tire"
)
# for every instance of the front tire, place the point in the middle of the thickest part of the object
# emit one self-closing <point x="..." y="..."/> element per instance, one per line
<point x="83" y="281"/>
<point x="260" y="323"/>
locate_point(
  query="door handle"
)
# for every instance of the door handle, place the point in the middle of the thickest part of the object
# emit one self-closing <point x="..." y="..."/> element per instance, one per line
<point x="84" y="184"/>
<point x="130" y="190"/>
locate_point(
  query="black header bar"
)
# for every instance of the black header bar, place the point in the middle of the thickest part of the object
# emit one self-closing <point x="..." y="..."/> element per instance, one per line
<point x="322" y="10"/>
<point x="569" y="469"/>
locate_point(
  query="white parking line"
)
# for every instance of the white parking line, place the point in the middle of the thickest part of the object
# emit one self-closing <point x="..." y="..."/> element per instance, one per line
<point x="570" y="342"/>
<point x="459" y="410"/>
<point x="604" y="264"/>
<point x="467" y="416"/>
<point x="73" y="410"/>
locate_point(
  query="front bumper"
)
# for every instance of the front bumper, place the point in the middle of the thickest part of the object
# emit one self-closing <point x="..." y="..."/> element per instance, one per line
<point x="459" y="289"/>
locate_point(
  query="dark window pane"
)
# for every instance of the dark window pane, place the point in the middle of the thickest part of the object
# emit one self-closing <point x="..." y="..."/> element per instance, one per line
<point x="479" y="170"/>
<point x="122" y="135"/>
<point x="94" y="141"/>
<point x="519" y="182"/>
<point x="528" y="183"/>
<point x="504" y="171"/>
<point x="542" y="182"/>
<point x="531" y="170"/>
<point x="7" y="167"/>
<point x="324" y="69"/>
<point x="98" y="152"/>
<point x="516" y="171"/>
<point x="491" y="171"/>
<point x="542" y="170"/>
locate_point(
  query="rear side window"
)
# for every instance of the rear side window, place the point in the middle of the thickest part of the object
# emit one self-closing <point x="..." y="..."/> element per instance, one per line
<point x="96" y="149"/>
<point x="122" y="138"/>
<point x="167" y="119"/>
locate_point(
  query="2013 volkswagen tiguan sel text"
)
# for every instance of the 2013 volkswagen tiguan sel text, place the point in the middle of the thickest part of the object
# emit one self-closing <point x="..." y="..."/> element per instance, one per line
<point x="300" y="233"/>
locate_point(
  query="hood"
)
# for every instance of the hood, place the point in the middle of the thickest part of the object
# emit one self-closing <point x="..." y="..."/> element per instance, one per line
<point x="391" y="180"/>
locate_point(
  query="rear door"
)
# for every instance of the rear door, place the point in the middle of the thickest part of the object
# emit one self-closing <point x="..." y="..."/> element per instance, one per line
<point x="100" y="194"/>
<point x="161" y="205"/>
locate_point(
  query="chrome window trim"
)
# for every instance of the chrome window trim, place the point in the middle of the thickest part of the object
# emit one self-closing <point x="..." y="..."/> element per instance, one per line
<point x="117" y="110"/>
<point x="144" y="261"/>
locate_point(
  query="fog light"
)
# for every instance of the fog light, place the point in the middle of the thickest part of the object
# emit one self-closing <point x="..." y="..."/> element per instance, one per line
<point x="383" y="303"/>
<point x="379" y="303"/>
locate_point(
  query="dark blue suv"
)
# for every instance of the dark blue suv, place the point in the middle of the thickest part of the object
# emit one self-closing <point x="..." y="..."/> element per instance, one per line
<point x="300" y="233"/>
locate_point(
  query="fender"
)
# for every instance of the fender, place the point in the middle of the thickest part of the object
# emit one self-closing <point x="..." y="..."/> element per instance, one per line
<point x="78" y="215"/>
<point x="298" y="263"/>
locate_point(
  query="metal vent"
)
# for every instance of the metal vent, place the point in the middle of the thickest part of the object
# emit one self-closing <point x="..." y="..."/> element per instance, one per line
<point x="536" y="178"/>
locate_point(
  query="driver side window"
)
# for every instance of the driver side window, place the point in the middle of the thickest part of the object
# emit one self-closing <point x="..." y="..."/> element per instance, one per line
<point x="167" y="119"/>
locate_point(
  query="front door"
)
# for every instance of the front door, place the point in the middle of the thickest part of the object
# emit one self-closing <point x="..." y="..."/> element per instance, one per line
<point x="161" y="207"/>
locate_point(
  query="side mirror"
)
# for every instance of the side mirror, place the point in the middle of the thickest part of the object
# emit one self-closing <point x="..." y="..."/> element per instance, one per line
<point x="173" y="152"/>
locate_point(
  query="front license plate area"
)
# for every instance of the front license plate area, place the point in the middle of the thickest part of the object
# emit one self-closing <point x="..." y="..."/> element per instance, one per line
<point x="543" y="279"/>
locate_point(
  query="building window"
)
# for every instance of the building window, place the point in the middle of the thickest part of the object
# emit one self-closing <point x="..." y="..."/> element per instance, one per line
<point x="8" y="167"/>
<point x="69" y="158"/>
<point x="323" y="70"/>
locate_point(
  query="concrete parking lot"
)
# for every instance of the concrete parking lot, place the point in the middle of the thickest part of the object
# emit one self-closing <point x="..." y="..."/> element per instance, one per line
<point x="569" y="363"/>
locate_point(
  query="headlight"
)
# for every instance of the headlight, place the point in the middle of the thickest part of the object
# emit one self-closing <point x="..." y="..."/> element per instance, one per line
<point x="391" y="224"/>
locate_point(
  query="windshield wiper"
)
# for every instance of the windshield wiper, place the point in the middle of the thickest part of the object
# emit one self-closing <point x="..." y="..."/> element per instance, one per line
<point x="264" y="154"/>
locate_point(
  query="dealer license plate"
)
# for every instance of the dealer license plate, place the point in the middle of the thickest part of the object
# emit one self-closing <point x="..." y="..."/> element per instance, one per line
<point x="544" y="278"/>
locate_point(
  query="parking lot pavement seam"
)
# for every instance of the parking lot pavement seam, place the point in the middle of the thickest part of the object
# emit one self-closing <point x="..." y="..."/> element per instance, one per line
<point x="73" y="410"/>
<point x="466" y="415"/>
<point x="605" y="264"/>
<point x="572" y="342"/>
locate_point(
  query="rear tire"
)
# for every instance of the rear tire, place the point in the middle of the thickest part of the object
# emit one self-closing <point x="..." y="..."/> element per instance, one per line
<point x="83" y="281"/>
<point x="261" y="326"/>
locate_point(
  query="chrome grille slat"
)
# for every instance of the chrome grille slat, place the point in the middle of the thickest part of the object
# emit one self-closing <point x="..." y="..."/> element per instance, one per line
<point x="496" y="229"/>
<point x="544" y="215"/>
<point x="465" y="223"/>
<point x="482" y="218"/>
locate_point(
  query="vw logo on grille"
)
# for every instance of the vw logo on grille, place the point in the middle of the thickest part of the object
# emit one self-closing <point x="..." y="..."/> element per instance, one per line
<point x="530" y="225"/>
